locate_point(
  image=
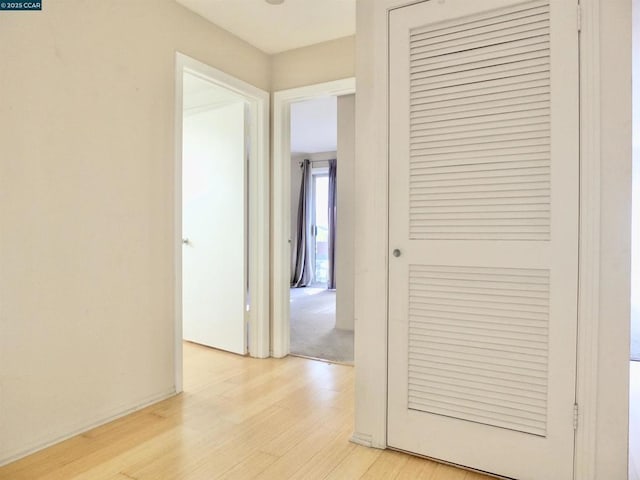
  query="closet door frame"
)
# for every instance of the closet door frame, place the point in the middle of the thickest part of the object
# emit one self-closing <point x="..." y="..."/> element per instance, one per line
<point x="372" y="166"/>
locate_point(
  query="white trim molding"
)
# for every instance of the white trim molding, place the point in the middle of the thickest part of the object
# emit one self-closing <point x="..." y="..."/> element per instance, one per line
<point x="362" y="439"/>
<point x="281" y="201"/>
<point x="371" y="223"/>
<point x="589" y="247"/>
<point x="177" y="227"/>
<point x="258" y="205"/>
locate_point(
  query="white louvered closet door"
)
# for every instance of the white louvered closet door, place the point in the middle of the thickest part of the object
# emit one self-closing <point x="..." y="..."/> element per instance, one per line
<point x="484" y="234"/>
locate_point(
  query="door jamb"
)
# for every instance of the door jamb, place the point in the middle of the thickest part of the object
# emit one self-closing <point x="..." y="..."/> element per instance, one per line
<point x="281" y="200"/>
<point x="258" y="205"/>
<point x="589" y="243"/>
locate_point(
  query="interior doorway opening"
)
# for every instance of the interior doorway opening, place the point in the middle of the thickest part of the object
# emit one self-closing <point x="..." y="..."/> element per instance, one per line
<point x="286" y="193"/>
<point x="316" y="240"/>
<point x="211" y="105"/>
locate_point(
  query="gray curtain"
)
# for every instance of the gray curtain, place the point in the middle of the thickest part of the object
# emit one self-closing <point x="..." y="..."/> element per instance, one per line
<point x="303" y="270"/>
<point x="331" y="284"/>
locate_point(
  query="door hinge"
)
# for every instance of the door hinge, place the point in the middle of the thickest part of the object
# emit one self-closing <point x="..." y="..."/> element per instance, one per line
<point x="575" y="416"/>
<point x="579" y="18"/>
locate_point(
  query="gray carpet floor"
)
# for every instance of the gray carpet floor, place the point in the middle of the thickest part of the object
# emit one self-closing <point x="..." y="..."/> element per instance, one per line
<point x="635" y="334"/>
<point x="313" y="332"/>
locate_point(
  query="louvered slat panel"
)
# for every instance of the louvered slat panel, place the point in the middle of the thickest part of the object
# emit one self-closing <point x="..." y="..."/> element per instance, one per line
<point x="484" y="128"/>
<point x="497" y="83"/>
<point x="515" y="69"/>
<point x="521" y="192"/>
<point x="476" y="42"/>
<point x="475" y="382"/>
<point x="508" y="419"/>
<point x="463" y="31"/>
<point x="468" y="311"/>
<point x="478" y="344"/>
<point x="485" y="290"/>
<point x="507" y="16"/>
<point x="435" y="112"/>
<point x="474" y="113"/>
<point x="469" y="69"/>
<point x="480" y="127"/>
<point x="464" y="58"/>
<point x="518" y="396"/>
<point x="481" y="353"/>
<point x="472" y="100"/>
<point x="478" y="121"/>
<point x="441" y="356"/>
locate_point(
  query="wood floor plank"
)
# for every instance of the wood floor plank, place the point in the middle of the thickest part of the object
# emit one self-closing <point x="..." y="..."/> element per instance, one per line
<point x="355" y="465"/>
<point x="327" y="457"/>
<point x="387" y="465"/>
<point x="296" y="458"/>
<point x="251" y="467"/>
<point x="217" y="454"/>
<point x="320" y="419"/>
<point x="108" y="461"/>
<point x="417" y="469"/>
<point x="243" y="418"/>
<point x="634" y="422"/>
<point x="447" y="472"/>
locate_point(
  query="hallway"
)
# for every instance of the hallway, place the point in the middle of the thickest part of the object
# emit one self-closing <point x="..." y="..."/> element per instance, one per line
<point x="239" y="418"/>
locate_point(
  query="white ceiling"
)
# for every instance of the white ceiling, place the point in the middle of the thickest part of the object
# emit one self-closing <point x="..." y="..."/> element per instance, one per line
<point x="276" y="28"/>
<point x="314" y="126"/>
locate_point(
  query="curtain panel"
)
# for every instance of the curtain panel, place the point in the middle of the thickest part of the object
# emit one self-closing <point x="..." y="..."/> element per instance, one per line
<point x="303" y="270"/>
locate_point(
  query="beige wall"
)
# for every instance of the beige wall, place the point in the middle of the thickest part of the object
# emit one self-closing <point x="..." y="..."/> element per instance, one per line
<point x="86" y="207"/>
<point x="610" y="456"/>
<point x="345" y="178"/>
<point x="635" y="268"/>
<point x="615" y="261"/>
<point x="323" y="62"/>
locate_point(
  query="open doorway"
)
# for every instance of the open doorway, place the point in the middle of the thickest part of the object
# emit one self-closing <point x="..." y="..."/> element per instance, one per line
<point x="222" y="212"/>
<point x="317" y="239"/>
<point x="284" y="196"/>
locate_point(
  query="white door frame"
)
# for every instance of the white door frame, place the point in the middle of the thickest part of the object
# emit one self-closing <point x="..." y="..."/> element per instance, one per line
<point x="281" y="241"/>
<point x="258" y="205"/>
<point x="589" y="243"/>
<point x="372" y="234"/>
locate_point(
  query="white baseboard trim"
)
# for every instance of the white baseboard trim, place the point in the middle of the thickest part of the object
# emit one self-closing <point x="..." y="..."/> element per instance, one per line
<point x="82" y="427"/>
<point x="365" y="440"/>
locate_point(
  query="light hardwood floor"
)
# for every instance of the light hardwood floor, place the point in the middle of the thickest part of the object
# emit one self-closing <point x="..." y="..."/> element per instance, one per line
<point x="239" y="418"/>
